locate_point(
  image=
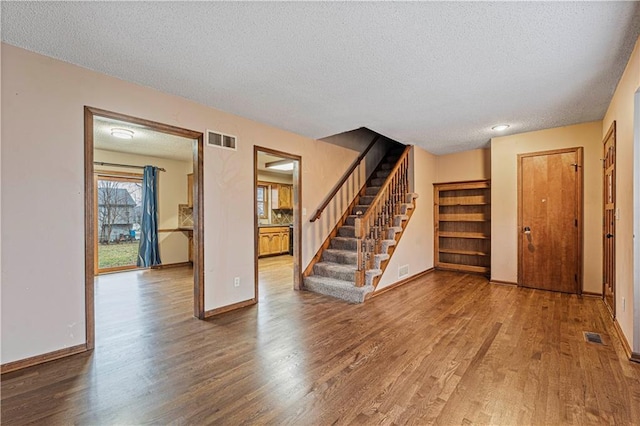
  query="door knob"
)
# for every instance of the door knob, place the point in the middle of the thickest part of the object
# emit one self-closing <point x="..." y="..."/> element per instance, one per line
<point x="526" y="230"/>
<point x="609" y="235"/>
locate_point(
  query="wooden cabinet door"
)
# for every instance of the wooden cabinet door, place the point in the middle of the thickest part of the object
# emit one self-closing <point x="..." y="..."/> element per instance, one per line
<point x="264" y="245"/>
<point x="275" y="241"/>
<point x="284" y="237"/>
<point x="285" y="200"/>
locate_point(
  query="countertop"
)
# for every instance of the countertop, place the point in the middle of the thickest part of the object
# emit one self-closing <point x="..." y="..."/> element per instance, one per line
<point x="266" y="225"/>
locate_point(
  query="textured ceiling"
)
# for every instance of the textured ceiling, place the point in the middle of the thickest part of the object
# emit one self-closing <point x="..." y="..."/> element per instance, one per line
<point x="144" y="142"/>
<point x="434" y="74"/>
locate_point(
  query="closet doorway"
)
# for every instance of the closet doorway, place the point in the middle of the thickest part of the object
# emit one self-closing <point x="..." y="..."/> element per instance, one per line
<point x="550" y="220"/>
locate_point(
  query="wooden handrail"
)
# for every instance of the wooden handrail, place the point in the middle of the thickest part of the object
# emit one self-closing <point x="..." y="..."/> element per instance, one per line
<point x="382" y="214"/>
<point x="386" y="183"/>
<point x="348" y="173"/>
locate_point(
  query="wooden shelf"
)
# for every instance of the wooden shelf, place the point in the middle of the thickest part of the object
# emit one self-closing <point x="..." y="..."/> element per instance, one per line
<point x="464" y="268"/>
<point x="464" y="252"/>
<point x="462" y="216"/>
<point x="475" y="235"/>
<point x="449" y="204"/>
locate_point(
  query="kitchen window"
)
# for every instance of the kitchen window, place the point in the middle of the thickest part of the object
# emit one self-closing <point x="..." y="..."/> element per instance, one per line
<point x="262" y="201"/>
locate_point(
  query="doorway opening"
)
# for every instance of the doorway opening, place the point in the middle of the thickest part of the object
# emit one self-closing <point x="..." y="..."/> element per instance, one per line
<point x="143" y="207"/>
<point x="277" y="221"/>
<point x="550" y="220"/>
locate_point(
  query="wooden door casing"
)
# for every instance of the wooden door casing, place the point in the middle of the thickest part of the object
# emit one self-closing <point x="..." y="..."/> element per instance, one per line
<point x="550" y="220"/>
<point x="609" y="220"/>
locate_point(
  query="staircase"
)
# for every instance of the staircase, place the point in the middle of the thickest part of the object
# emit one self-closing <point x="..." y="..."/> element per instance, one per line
<point x="351" y="262"/>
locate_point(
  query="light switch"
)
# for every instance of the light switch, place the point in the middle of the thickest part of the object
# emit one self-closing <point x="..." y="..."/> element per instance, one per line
<point x="617" y="213"/>
<point x="304" y="211"/>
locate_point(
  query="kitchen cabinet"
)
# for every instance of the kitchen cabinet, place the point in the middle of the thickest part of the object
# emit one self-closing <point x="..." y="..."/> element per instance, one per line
<point x="281" y="196"/>
<point x="190" y="189"/>
<point x="285" y="196"/>
<point x="273" y="240"/>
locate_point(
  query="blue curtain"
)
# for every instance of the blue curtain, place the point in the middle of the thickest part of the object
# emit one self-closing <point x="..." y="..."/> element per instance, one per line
<point x="149" y="252"/>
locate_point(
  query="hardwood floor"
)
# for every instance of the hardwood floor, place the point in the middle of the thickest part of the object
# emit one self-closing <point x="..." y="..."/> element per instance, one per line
<point x="447" y="349"/>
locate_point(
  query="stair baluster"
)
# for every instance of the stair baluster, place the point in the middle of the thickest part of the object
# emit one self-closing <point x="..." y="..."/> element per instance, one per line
<point x="374" y="224"/>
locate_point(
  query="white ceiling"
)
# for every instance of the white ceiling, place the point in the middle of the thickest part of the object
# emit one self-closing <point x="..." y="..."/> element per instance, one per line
<point x="434" y="74"/>
<point x="145" y="141"/>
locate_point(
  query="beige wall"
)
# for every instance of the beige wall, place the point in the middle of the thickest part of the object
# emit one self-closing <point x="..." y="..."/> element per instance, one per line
<point x="47" y="275"/>
<point x="504" y="197"/>
<point x="40" y="94"/>
<point x="467" y="165"/>
<point x="621" y="109"/>
<point x="415" y="249"/>
<point x="172" y="190"/>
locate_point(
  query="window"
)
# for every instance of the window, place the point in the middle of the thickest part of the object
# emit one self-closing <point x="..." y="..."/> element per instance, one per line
<point x="262" y="201"/>
<point x="118" y="205"/>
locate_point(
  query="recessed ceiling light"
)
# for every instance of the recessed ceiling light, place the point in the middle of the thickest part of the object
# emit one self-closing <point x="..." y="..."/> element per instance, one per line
<point x="500" y="127"/>
<point x="122" y="133"/>
<point x="280" y="165"/>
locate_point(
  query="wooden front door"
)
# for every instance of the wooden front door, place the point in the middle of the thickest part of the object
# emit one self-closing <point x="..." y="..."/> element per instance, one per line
<point x="609" y="221"/>
<point x="550" y="220"/>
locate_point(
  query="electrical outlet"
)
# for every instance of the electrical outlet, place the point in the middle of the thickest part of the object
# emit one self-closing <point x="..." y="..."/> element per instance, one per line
<point x="236" y="282"/>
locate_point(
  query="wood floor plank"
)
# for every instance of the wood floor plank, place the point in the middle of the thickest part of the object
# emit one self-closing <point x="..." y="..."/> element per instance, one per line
<point x="448" y="348"/>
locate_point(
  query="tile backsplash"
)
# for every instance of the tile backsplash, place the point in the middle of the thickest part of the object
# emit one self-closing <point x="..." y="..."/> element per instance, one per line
<point x="286" y="216"/>
<point x="185" y="216"/>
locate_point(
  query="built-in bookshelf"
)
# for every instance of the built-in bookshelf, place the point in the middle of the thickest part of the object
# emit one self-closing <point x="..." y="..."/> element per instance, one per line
<point x="462" y="222"/>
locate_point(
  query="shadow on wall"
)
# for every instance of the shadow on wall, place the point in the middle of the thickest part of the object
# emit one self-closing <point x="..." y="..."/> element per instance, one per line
<point x="486" y="162"/>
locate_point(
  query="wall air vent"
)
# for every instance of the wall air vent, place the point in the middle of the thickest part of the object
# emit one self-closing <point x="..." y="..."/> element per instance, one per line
<point x="221" y="140"/>
<point x="403" y="271"/>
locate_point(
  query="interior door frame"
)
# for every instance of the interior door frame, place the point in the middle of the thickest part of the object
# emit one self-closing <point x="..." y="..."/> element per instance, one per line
<point x="89" y="215"/>
<point x="297" y="215"/>
<point x="611" y="132"/>
<point x="580" y="207"/>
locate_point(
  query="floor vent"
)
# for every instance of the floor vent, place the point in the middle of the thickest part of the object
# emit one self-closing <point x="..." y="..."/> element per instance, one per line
<point x="593" y="337"/>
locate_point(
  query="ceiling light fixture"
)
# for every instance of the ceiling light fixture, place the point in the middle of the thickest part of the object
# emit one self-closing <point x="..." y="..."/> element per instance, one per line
<point x="284" y="165"/>
<point x="122" y="133"/>
<point x="500" y="127"/>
